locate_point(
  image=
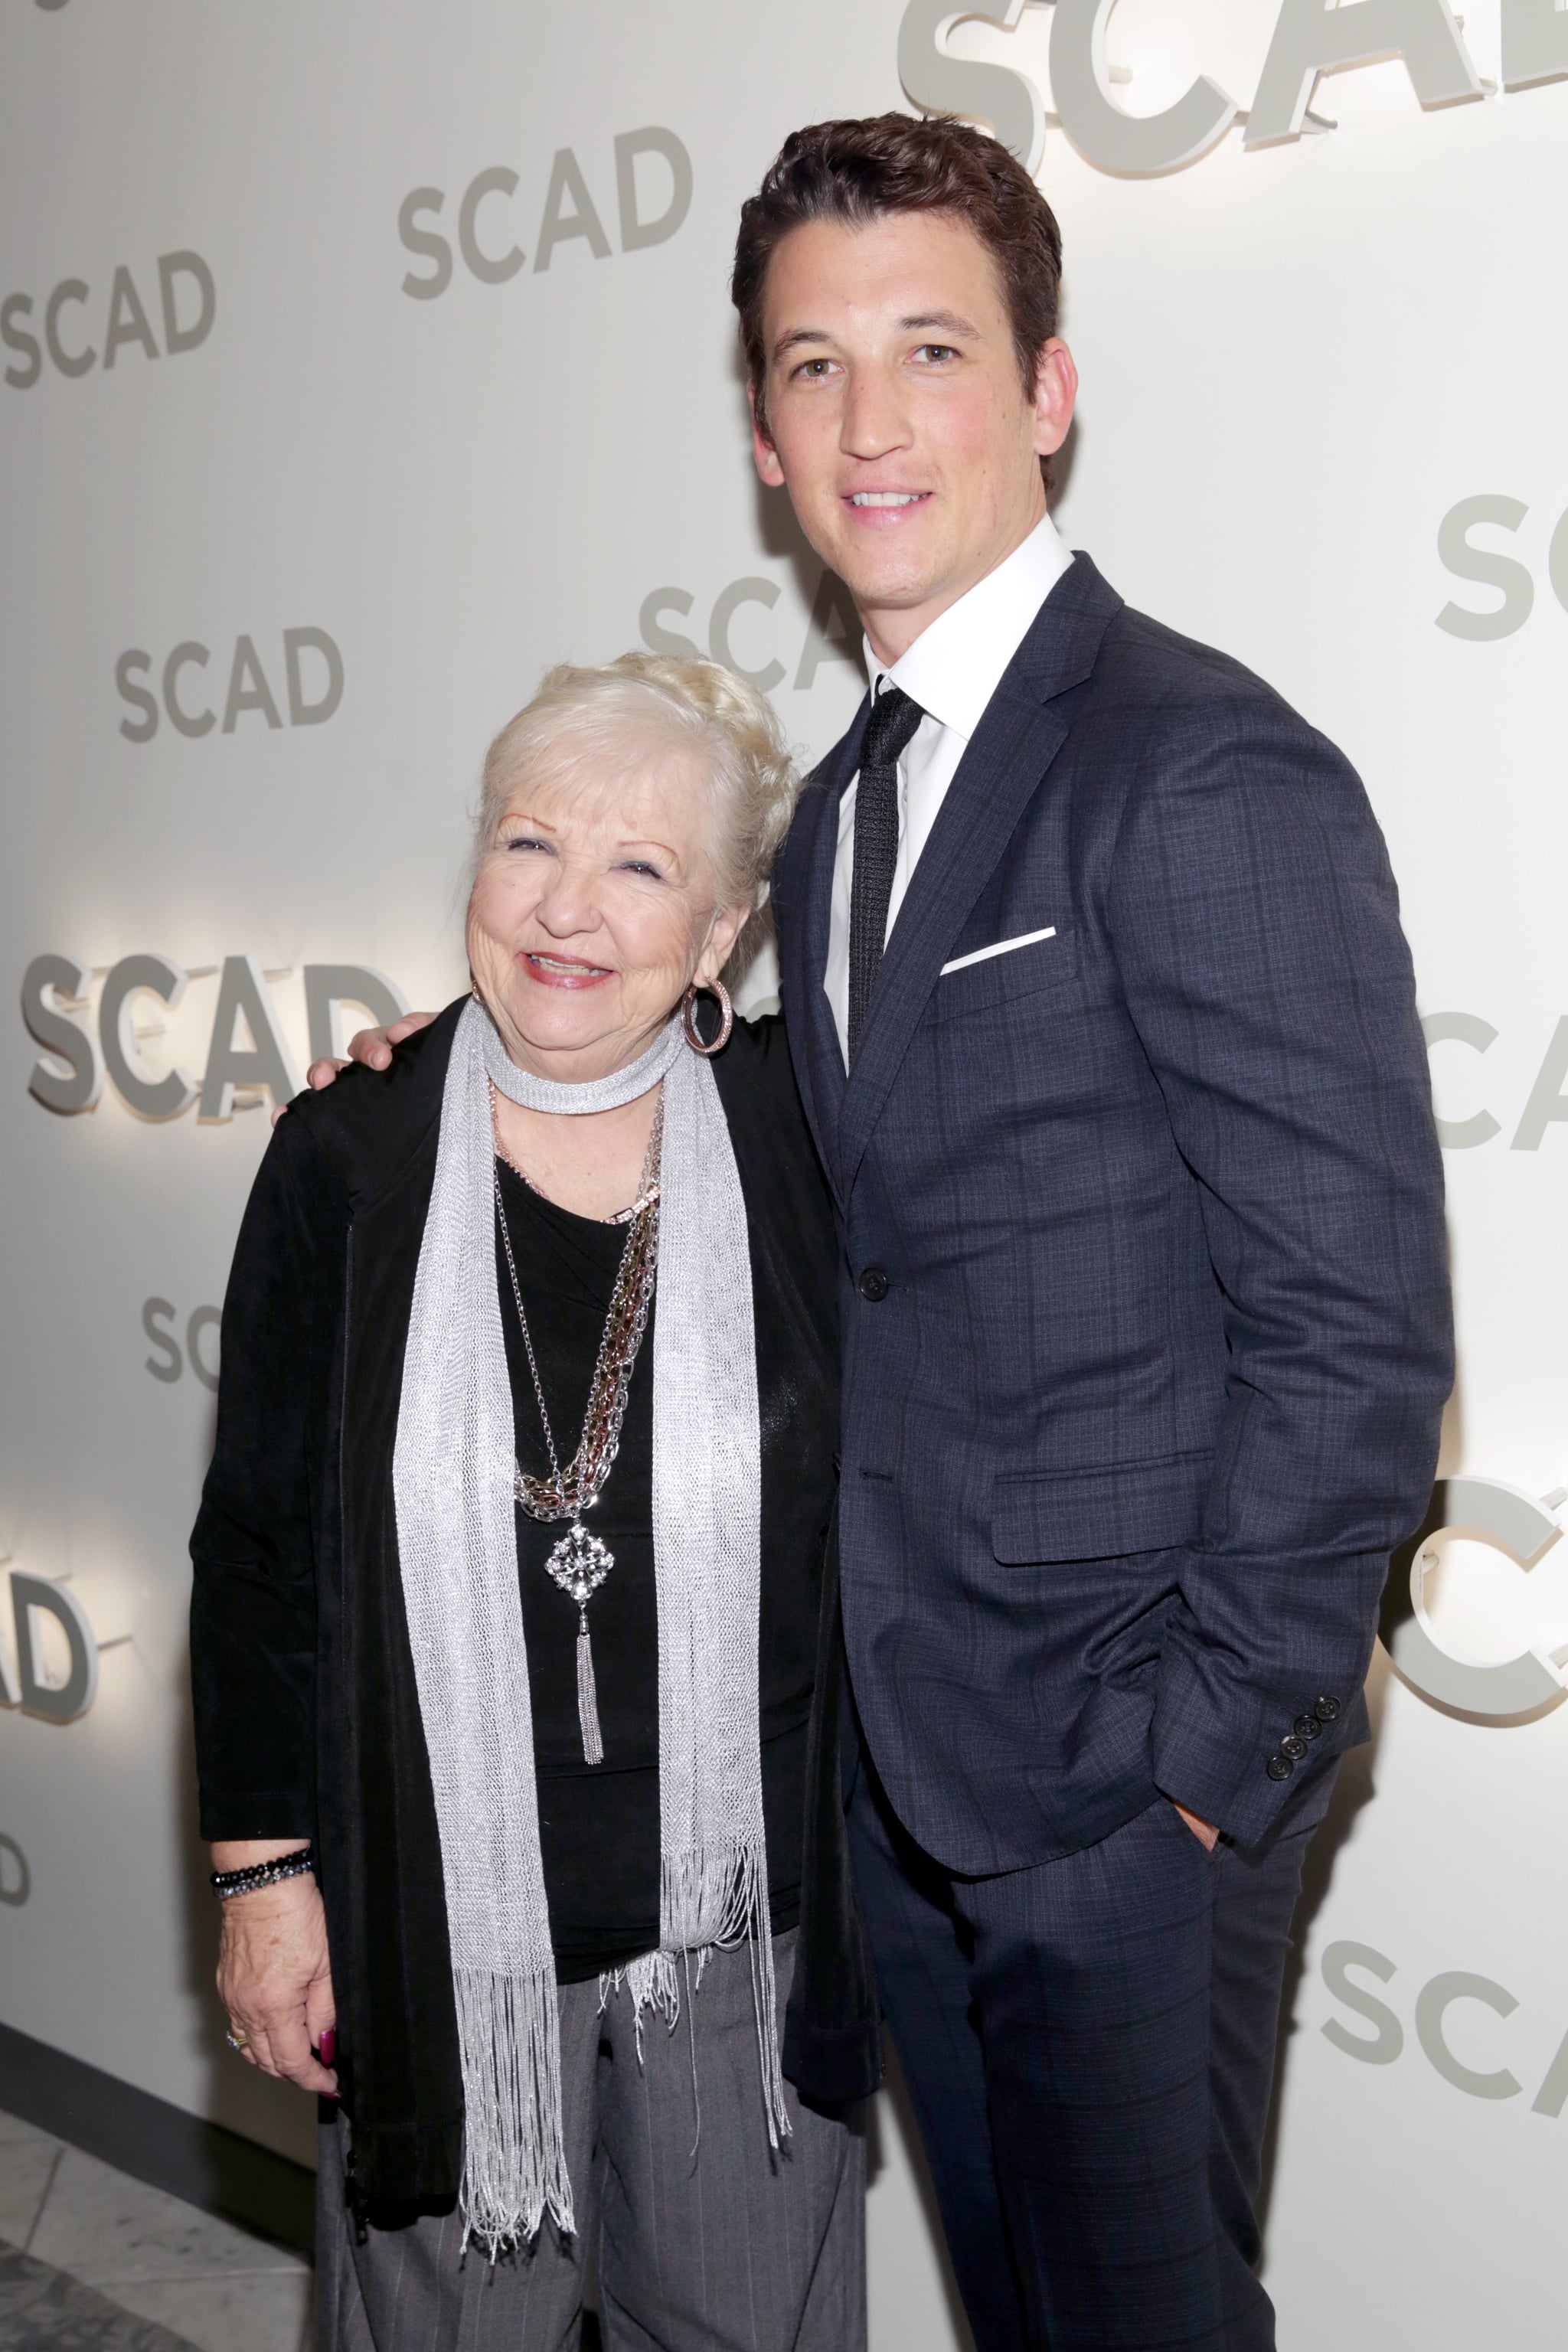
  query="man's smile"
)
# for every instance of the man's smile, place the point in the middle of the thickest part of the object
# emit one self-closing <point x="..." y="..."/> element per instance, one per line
<point x="884" y="509"/>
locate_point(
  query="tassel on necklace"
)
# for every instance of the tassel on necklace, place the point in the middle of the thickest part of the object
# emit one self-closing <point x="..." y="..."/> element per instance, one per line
<point x="587" y="1695"/>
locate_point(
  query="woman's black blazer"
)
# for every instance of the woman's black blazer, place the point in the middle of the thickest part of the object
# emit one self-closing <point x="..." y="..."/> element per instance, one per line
<point x="306" y="1709"/>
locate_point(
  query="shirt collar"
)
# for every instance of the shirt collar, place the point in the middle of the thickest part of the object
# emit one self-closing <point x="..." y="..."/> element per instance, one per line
<point x="955" y="665"/>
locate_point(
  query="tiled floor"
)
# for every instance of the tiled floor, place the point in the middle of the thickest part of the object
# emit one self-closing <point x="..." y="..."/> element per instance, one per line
<point x="203" y="2282"/>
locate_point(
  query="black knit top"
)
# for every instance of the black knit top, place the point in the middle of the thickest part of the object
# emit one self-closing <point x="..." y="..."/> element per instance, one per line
<point x="599" y="1824"/>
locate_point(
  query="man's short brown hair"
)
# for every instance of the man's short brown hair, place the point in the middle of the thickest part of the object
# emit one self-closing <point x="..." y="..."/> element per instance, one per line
<point x="857" y="172"/>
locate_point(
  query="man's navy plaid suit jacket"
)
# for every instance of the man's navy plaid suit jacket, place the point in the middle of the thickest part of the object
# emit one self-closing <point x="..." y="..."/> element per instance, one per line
<point x="1146" y="1293"/>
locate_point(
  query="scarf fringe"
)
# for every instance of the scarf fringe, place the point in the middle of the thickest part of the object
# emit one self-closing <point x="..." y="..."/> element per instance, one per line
<point x="712" y="1901"/>
<point x="514" y="2163"/>
<point x="653" y="1982"/>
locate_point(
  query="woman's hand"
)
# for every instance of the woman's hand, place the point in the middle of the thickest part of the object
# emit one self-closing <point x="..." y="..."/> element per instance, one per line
<point x="371" y="1047"/>
<point x="275" y="1980"/>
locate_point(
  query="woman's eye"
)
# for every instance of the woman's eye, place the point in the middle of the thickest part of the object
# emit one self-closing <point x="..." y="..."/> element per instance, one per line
<point x="641" y="865"/>
<point x="524" y="841"/>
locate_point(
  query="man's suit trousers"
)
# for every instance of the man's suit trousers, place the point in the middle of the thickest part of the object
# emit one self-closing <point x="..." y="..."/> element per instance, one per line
<point x="1090" y="2046"/>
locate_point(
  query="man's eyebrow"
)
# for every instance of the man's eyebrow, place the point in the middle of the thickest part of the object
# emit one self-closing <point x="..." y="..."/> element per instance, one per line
<point x="798" y="335"/>
<point x="949" y="321"/>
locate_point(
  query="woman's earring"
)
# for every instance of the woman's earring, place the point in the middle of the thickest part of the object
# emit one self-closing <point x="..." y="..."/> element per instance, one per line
<point x="726" y="1020"/>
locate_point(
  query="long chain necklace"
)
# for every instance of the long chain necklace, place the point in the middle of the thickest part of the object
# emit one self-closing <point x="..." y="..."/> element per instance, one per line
<point x="580" y="1562"/>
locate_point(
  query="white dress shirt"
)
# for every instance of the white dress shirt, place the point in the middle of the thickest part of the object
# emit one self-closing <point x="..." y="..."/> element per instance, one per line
<point x="952" y="670"/>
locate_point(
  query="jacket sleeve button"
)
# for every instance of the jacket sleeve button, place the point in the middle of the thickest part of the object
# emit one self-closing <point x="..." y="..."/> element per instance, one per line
<point x="1292" y="1747"/>
<point x="1306" y="1727"/>
<point x="1327" y="1710"/>
<point x="1279" y="1768"/>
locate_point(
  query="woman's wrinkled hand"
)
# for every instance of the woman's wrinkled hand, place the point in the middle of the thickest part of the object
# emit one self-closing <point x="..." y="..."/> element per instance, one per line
<point x="275" y="1980"/>
<point x="371" y="1047"/>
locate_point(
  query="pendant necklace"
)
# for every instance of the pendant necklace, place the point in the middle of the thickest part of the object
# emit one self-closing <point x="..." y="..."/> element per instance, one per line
<point x="580" y="1562"/>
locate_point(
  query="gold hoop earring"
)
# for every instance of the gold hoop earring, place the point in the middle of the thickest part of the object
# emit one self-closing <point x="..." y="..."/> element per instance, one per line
<point x="726" y="1020"/>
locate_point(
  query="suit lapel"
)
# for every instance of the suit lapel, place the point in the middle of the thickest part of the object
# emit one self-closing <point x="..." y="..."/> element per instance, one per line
<point x="1007" y="759"/>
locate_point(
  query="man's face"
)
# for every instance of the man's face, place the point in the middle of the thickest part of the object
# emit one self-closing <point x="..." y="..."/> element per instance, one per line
<point x="896" y="414"/>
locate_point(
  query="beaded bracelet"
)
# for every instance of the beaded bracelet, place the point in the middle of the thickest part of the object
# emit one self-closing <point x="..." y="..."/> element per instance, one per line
<point x="225" y="1883"/>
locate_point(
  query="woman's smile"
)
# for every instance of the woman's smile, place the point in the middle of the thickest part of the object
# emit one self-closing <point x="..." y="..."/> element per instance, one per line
<point x="551" y="970"/>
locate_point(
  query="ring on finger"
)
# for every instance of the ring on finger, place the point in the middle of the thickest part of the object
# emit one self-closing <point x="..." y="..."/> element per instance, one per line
<point x="237" y="2041"/>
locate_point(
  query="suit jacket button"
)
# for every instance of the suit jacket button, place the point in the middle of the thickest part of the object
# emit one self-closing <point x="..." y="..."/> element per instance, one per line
<point x="1306" y="1727"/>
<point x="1326" y="1709"/>
<point x="1292" y="1747"/>
<point x="1279" y="1768"/>
<point x="873" y="1286"/>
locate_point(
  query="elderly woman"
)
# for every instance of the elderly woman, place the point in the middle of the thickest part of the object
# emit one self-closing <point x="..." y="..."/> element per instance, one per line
<point x="510" y="1590"/>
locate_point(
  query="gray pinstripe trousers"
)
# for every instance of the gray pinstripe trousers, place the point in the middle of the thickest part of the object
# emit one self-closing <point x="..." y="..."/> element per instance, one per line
<point x="724" y="2248"/>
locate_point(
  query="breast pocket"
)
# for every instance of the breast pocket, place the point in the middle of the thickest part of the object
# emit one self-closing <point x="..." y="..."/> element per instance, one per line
<point x="1034" y="965"/>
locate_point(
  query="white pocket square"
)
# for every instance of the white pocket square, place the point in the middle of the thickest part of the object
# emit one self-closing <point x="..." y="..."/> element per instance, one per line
<point x="999" y="947"/>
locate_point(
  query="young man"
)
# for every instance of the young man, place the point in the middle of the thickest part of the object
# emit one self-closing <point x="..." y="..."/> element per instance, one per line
<point x="1106" y="1028"/>
<point x="1105" y="1023"/>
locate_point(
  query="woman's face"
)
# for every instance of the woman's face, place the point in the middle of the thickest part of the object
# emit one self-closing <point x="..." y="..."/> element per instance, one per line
<point x="593" y="909"/>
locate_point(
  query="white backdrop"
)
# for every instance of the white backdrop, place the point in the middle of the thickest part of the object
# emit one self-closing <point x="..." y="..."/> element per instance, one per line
<point x="1321" y="426"/>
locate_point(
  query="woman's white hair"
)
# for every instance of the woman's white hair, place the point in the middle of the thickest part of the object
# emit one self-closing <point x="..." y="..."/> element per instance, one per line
<point x="648" y="702"/>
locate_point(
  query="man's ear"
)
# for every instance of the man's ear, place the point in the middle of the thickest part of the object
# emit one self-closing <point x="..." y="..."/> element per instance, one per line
<point x="1056" y="393"/>
<point x="762" y="450"/>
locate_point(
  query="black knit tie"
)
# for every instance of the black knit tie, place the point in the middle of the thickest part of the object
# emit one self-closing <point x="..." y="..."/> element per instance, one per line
<point x="893" y="720"/>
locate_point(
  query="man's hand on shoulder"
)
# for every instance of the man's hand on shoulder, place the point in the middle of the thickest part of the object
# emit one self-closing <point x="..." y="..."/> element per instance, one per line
<point x="371" y="1047"/>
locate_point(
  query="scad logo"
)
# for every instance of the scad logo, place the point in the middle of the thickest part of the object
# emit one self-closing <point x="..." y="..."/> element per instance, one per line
<point x="646" y="214"/>
<point x="80" y="1050"/>
<point x="1309" y="40"/>
<point x="187" y="305"/>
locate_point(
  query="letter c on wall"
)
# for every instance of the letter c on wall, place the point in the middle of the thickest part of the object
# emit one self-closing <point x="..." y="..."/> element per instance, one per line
<point x="1104" y="133"/>
<point x="157" y="1099"/>
<point x="491" y="270"/>
<point x="1462" y="1029"/>
<point x="183" y="656"/>
<point x="1432" y="2006"/>
<point x="726" y="604"/>
<point x="69" y="289"/>
<point x="1520" y="1527"/>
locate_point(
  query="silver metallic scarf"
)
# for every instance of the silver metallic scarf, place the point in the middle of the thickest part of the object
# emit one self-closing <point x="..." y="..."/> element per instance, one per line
<point x="452" y="1482"/>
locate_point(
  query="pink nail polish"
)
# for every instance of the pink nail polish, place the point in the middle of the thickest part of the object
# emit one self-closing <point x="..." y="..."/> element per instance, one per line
<point x="328" y="2044"/>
